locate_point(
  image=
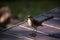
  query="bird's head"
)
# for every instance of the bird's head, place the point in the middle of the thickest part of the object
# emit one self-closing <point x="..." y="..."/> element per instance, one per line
<point x="29" y="16"/>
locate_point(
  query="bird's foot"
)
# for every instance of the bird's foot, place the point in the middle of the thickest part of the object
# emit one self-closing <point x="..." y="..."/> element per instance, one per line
<point x="33" y="34"/>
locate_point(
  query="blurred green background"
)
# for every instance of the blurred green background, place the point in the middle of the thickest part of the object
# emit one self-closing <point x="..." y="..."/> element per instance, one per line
<point x="34" y="8"/>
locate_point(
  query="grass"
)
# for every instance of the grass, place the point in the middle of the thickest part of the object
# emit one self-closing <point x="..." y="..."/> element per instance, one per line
<point x="33" y="8"/>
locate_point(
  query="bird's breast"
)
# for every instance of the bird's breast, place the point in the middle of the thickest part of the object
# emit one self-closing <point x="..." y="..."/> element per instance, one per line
<point x="29" y="22"/>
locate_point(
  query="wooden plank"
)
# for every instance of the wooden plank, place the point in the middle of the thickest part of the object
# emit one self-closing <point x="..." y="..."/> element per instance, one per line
<point x="20" y="31"/>
<point x="4" y="36"/>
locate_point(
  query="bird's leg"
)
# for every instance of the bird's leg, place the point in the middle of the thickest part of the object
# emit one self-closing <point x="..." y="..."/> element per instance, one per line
<point x="34" y="32"/>
<point x="35" y="29"/>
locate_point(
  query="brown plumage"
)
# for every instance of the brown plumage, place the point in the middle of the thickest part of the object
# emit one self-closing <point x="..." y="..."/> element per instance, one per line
<point x="34" y="23"/>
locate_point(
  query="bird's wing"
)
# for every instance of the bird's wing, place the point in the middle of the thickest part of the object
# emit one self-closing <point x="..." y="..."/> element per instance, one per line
<point x="35" y="22"/>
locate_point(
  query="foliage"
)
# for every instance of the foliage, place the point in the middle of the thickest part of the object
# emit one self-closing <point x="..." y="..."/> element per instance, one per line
<point x="33" y="8"/>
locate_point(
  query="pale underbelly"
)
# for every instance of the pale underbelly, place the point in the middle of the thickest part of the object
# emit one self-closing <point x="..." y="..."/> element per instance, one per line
<point x="29" y="22"/>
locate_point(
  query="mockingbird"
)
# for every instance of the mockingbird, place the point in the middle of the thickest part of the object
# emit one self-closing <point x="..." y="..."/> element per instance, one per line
<point x="34" y="23"/>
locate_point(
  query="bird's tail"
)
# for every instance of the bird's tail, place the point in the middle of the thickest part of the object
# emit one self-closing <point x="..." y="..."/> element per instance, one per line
<point x="47" y="19"/>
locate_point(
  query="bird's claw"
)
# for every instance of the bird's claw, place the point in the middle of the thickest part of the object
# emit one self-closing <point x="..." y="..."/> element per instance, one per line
<point x="33" y="35"/>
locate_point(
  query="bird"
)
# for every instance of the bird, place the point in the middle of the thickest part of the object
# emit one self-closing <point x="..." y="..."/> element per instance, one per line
<point x="34" y="23"/>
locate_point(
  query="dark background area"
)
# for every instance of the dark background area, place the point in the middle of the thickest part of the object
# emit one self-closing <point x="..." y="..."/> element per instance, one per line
<point x="22" y="8"/>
